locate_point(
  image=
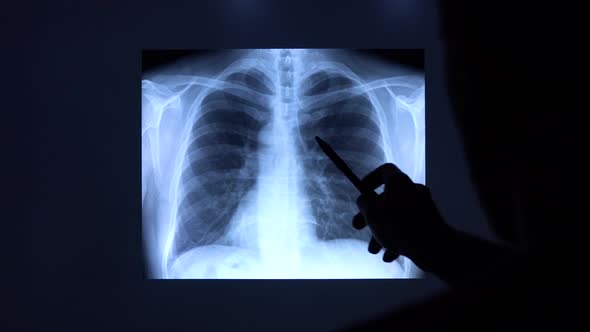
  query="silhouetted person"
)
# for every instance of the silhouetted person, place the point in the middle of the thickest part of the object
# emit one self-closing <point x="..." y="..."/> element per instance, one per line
<point x="511" y="78"/>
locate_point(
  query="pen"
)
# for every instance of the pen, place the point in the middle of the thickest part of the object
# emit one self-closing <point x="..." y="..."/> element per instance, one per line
<point x="341" y="165"/>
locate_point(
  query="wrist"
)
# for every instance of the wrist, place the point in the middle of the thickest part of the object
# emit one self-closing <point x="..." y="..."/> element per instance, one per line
<point x="435" y="248"/>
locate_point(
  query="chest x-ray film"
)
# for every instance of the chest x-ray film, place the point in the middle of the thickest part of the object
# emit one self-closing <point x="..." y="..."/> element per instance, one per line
<point x="234" y="186"/>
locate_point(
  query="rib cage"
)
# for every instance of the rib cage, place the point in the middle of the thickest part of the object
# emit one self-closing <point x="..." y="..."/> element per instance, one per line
<point x="233" y="184"/>
<point x="222" y="164"/>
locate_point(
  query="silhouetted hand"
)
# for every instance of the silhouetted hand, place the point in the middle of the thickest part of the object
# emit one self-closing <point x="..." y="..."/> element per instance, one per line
<point x="403" y="219"/>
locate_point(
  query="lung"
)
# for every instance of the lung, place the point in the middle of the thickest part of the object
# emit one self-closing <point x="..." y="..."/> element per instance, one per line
<point x="223" y="158"/>
<point x="221" y="164"/>
<point x="347" y="120"/>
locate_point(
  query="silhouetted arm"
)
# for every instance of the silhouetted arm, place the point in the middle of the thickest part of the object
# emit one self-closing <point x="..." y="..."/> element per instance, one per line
<point x="405" y="220"/>
<point x="463" y="260"/>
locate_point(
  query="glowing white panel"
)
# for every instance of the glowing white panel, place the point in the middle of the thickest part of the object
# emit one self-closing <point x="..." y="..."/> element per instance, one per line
<point x="233" y="183"/>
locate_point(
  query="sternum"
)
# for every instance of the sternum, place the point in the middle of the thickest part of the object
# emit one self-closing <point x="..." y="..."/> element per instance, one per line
<point x="278" y="221"/>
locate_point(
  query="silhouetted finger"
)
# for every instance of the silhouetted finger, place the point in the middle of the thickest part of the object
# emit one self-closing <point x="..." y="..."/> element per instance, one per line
<point x="364" y="202"/>
<point x="390" y="255"/>
<point x="374" y="246"/>
<point x="380" y="175"/>
<point x="358" y="221"/>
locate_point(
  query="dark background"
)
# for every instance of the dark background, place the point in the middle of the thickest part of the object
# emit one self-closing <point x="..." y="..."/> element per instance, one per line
<point x="86" y="247"/>
<point x="410" y="58"/>
<point x="154" y="59"/>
